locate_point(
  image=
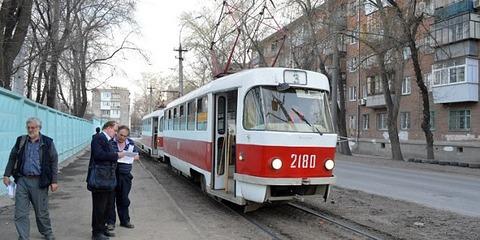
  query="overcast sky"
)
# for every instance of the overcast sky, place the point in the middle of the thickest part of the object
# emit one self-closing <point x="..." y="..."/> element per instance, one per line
<point x="159" y="23"/>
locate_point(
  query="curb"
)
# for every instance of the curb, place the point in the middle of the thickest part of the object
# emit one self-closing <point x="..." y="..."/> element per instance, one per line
<point x="445" y="163"/>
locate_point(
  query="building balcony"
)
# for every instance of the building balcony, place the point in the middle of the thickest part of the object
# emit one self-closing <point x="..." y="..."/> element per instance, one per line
<point x="456" y="50"/>
<point x="456" y="93"/>
<point x="375" y="101"/>
<point x="457" y="83"/>
<point x="454" y="9"/>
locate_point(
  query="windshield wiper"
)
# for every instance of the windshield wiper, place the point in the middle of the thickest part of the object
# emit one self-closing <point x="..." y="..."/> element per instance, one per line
<point x="284" y="110"/>
<point x="306" y="121"/>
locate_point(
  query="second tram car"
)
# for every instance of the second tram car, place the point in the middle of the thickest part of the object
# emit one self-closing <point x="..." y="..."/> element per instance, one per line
<point x="257" y="136"/>
<point x="151" y="141"/>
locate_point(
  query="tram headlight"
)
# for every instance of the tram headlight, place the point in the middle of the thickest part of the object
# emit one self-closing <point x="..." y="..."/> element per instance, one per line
<point x="277" y="164"/>
<point x="329" y="164"/>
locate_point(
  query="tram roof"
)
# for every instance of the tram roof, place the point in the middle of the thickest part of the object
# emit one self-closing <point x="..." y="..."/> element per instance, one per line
<point x="157" y="113"/>
<point x="250" y="77"/>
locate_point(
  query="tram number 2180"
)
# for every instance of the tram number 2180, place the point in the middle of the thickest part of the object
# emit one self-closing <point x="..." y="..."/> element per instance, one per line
<point x="303" y="161"/>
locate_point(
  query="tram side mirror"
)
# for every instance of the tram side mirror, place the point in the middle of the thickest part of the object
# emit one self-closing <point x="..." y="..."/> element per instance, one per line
<point x="274" y="105"/>
<point x="283" y="87"/>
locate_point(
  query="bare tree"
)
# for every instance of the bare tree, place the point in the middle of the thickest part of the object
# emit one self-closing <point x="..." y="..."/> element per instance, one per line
<point x="314" y="42"/>
<point x="411" y="19"/>
<point x="14" y="20"/>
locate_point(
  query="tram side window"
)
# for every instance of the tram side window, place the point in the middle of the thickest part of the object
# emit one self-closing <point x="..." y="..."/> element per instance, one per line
<point x="191" y="116"/>
<point x="160" y="124"/>
<point x="175" y="119"/>
<point x="169" y="120"/>
<point x="182" y="117"/>
<point x="252" y="111"/>
<point x="202" y="113"/>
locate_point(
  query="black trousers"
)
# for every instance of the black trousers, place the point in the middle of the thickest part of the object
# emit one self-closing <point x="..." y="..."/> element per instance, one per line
<point x="124" y="185"/>
<point x="101" y="202"/>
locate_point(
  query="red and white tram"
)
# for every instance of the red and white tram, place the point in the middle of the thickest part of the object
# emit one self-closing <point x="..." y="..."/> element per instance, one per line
<point x="257" y="136"/>
<point x="151" y="141"/>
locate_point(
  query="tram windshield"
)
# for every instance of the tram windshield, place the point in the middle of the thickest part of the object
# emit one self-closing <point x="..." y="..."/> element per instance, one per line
<point x="292" y="110"/>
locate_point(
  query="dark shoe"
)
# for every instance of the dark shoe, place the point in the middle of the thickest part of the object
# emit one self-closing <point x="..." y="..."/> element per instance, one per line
<point x="128" y="225"/>
<point x="100" y="237"/>
<point x="49" y="237"/>
<point x="110" y="227"/>
<point x="109" y="234"/>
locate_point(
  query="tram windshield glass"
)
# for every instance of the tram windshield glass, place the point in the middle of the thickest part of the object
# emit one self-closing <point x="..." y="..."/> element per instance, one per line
<point x="292" y="110"/>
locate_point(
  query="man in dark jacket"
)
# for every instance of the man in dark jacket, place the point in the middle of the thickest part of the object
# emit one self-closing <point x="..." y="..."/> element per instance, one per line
<point x="102" y="153"/>
<point x="124" y="180"/>
<point x="33" y="163"/>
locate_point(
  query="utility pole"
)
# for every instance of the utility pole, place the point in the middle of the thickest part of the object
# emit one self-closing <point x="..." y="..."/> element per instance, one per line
<point x="180" y="51"/>
<point x="150" y="104"/>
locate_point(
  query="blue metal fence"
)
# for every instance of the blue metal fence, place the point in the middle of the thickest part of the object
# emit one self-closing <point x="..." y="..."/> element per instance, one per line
<point x="69" y="133"/>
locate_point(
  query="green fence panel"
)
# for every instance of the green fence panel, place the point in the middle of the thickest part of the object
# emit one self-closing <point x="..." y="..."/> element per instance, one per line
<point x="69" y="133"/>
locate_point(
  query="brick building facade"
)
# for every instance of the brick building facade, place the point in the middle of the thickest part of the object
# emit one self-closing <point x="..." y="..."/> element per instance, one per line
<point x="449" y="53"/>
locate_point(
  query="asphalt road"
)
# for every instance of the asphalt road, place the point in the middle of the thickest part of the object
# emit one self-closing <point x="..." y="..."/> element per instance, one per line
<point x="453" y="192"/>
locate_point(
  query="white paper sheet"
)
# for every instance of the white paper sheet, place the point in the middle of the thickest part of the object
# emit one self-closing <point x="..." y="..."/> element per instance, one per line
<point x="11" y="189"/>
<point x="129" y="155"/>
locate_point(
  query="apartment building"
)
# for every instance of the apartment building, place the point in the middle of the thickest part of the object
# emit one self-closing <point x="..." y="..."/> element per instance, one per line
<point x="449" y="53"/>
<point x="111" y="104"/>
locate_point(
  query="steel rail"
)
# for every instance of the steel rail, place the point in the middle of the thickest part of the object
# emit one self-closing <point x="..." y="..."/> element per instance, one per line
<point x="333" y="221"/>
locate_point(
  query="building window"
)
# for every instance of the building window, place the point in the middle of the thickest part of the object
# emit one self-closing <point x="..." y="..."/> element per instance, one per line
<point x="432" y="120"/>
<point x="202" y="113"/>
<point x="352" y="122"/>
<point x="428" y="80"/>
<point x="273" y="46"/>
<point x="382" y="121"/>
<point x="404" y="120"/>
<point x="448" y="75"/>
<point x="365" y="121"/>
<point x="191" y="116"/>
<point x="352" y="93"/>
<point x="352" y="8"/>
<point x="455" y="29"/>
<point x="374" y="85"/>
<point x="459" y="120"/>
<point x="105" y="96"/>
<point x="106" y="113"/>
<point x="407" y="86"/>
<point x="354" y="37"/>
<point x="352" y="64"/>
<point x="406" y="53"/>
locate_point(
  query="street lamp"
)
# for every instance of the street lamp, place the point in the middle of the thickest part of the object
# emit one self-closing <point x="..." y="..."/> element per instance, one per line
<point x="180" y="51"/>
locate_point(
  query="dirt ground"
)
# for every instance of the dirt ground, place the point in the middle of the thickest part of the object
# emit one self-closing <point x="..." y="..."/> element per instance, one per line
<point x="403" y="220"/>
<point x="394" y="218"/>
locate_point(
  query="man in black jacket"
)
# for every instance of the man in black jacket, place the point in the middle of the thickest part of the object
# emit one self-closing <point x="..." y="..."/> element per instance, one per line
<point x="102" y="153"/>
<point x="33" y="162"/>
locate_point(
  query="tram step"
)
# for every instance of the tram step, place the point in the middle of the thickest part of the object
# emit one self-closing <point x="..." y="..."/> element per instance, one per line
<point x="228" y="196"/>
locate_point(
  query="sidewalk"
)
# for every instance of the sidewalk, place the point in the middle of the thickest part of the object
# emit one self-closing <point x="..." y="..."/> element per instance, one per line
<point x="153" y="212"/>
<point x="386" y="162"/>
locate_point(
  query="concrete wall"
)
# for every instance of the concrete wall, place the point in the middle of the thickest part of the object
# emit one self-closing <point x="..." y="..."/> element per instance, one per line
<point x="70" y="134"/>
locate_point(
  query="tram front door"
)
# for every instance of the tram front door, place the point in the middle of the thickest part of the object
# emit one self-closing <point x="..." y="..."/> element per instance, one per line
<point x="224" y="152"/>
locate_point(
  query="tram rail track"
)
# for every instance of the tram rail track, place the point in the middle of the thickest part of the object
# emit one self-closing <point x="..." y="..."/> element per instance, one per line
<point x="278" y="234"/>
<point x="331" y="220"/>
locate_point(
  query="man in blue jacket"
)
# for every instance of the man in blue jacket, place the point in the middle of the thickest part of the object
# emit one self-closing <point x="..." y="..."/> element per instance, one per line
<point x="33" y="162"/>
<point x="124" y="180"/>
<point x="102" y="153"/>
